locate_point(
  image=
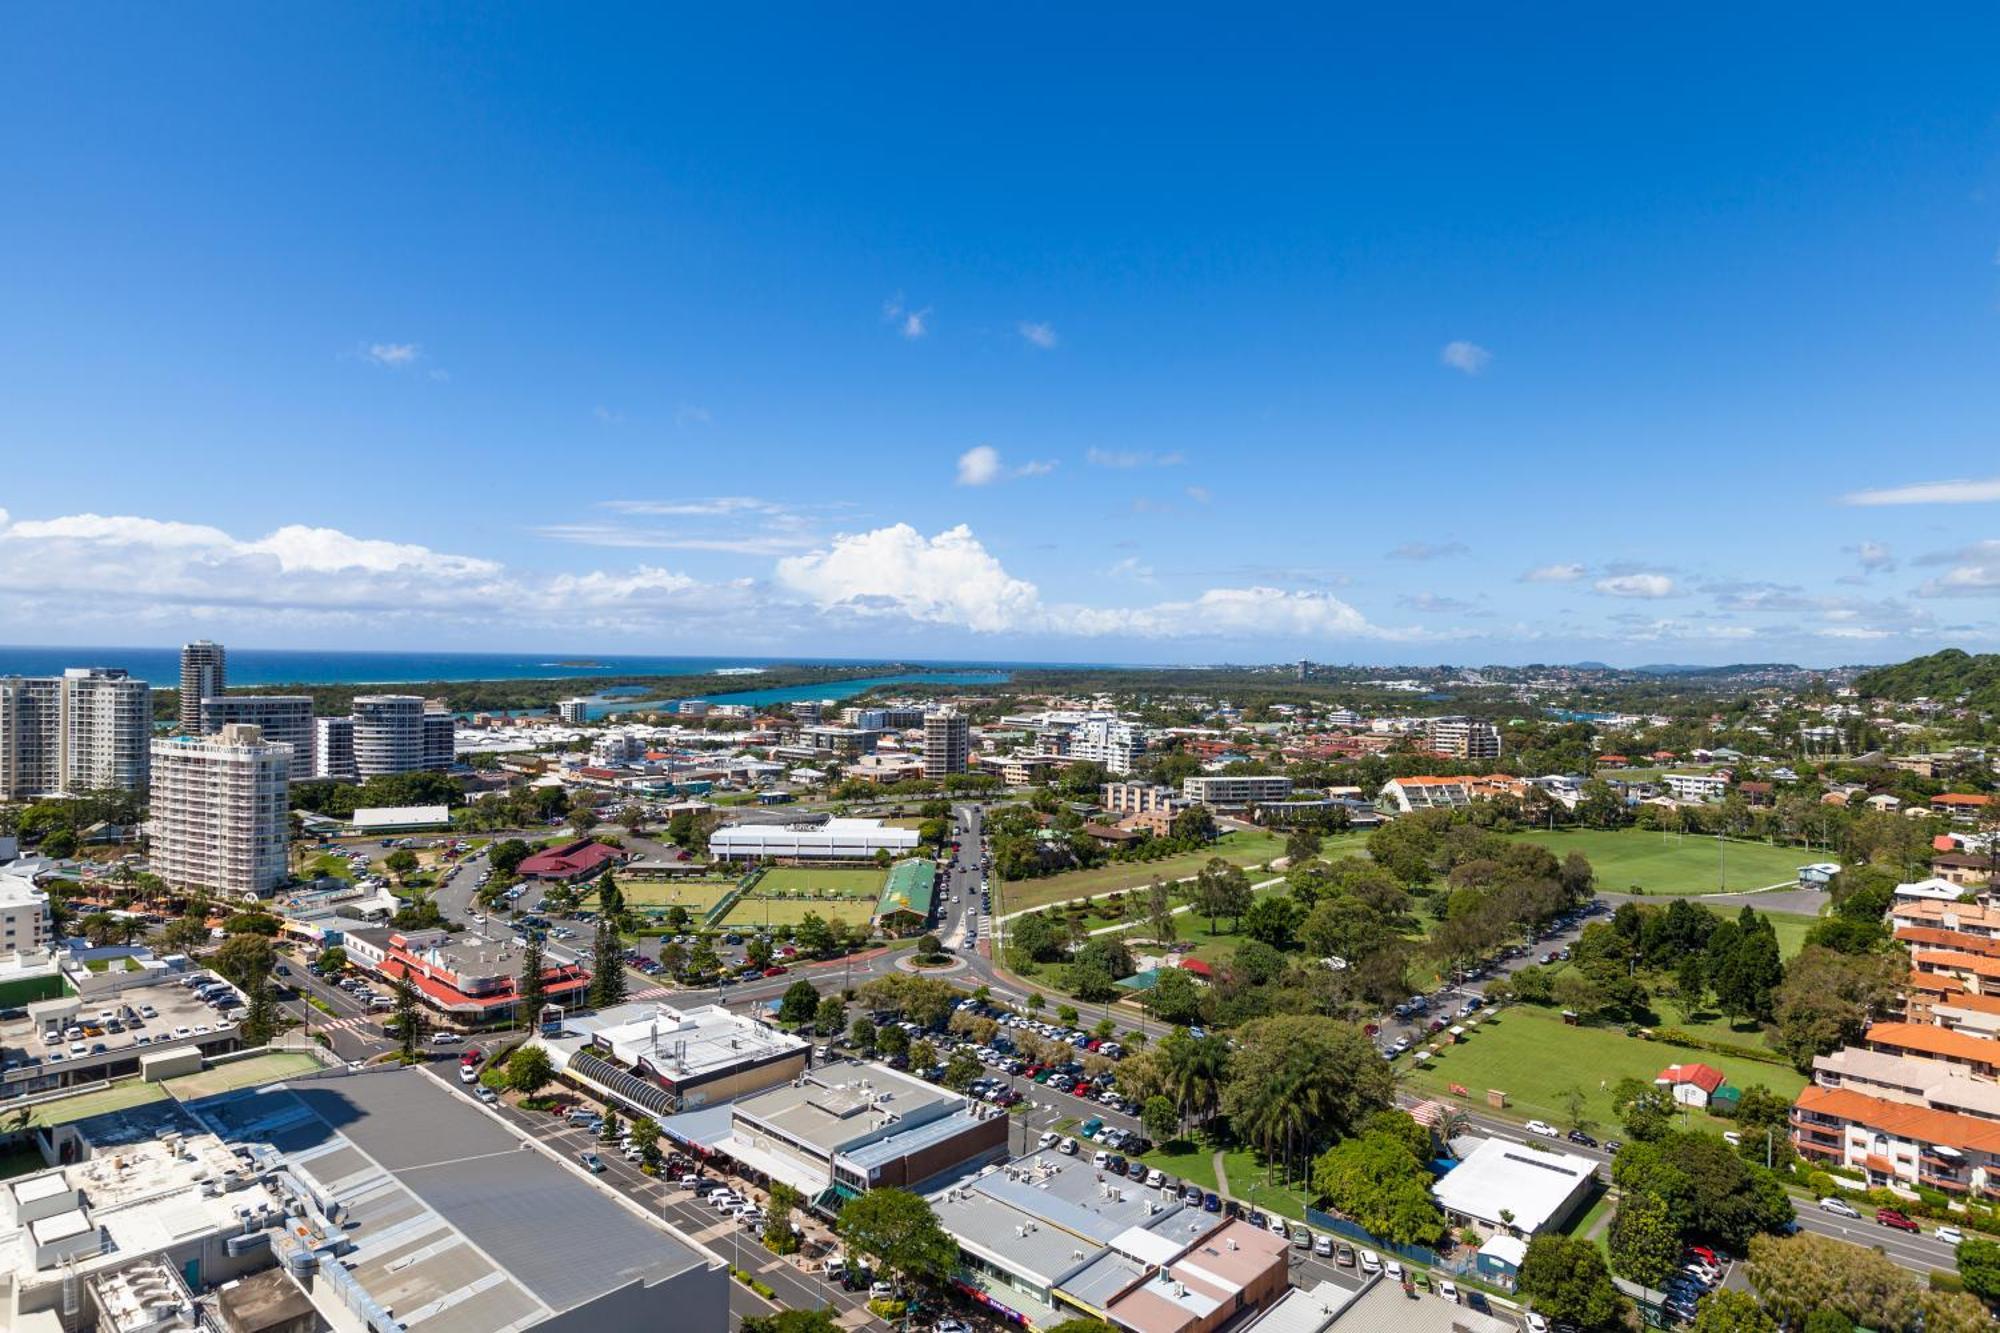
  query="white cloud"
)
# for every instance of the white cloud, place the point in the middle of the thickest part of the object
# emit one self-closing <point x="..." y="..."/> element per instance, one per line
<point x="712" y="506"/>
<point x="949" y="579"/>
<point x="396" y="356"/>
<point x="1039" y="335"/>
<point x="1872" y="555"/>
<point x="1467" y="357"/>
<point x="1636" y="585"/>
<point x="1131" y="567"/>
<point x="912" y="324"/>
<point x="1557" y="573"/>
<point x="1199" y="494"/>
<point x="1131" y="458"/>
<point x="1430" y="551"/>
<point x="626" y="537"/>
<point x="1974" y="572"/>
<point x="979" y="466"/>
<point x="1930" y="493"/>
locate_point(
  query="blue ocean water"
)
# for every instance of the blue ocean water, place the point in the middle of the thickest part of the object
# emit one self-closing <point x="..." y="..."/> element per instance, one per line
<point x="839" y="689"/>
<point x="269" y="666"/>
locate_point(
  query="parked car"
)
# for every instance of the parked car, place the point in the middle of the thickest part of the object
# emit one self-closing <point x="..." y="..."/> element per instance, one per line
<point x="591" y="1162"/>
<point x="1371" y="1262"/>
<point x="1343" y="1254"/>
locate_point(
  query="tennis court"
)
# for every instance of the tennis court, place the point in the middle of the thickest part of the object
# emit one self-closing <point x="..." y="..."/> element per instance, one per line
<point x="245" y="1073"/>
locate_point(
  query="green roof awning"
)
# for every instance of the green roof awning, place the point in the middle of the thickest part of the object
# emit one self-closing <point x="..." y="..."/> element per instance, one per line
<point x="911" y="887"/>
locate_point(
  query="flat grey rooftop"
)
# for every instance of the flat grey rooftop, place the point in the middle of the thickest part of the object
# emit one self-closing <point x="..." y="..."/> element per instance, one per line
<point x="453" y="1215"/>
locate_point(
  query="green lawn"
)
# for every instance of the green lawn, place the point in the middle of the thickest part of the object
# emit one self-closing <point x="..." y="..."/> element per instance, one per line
<point x="1249" y="1180"/>
<point x="791" y="911"/>
<point x="248" y="1072"/>
<point x="1238" y="848"/>
<point x="841" y="882"/>
<point x="695" y="895"/>
<point x="1791" y="928"/>
<point x="1531" y="1054"/>
<point x="1630" y="860"/>
<point x="121" y="1096"/>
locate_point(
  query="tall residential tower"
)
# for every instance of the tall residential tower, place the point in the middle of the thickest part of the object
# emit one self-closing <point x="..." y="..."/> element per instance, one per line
<point x="202" y="677"/>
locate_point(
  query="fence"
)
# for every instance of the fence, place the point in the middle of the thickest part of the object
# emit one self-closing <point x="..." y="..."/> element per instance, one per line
<point x="1354" y="1231"/>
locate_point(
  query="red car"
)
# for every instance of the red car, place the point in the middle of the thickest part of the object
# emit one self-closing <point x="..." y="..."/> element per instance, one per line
<point x="774" y="971"/>
<point x="1889" y="1217"/>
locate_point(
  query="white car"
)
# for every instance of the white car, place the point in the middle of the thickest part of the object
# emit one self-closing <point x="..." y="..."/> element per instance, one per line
<point x="1543" y="1128"/>
<point x="1394" y="1269"/>
<point x="1949" y="1235"/>
<point x="1048" y="1139"/>
<point x="1838" y="1207"/>
<point x="1536" y="1324"/>
<point x="445" y="1039"/>
<point x="1371" y="1262"/>
<point x="1448" y="1289"/>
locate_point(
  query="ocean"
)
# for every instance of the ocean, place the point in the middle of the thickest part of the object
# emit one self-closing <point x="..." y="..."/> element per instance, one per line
<point x="271" y="666"/>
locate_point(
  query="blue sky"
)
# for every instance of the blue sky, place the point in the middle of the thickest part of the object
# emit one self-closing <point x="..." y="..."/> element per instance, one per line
<point x="1143" y="334"/>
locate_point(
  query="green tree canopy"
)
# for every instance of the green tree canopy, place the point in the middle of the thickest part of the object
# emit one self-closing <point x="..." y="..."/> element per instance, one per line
<point x="899" y="1230"/>
<point x="1376" y="1181"/>
<point x="1566" y="1279"/>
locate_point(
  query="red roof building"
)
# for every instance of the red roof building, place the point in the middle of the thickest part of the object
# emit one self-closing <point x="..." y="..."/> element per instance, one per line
<point x="1691" y="1085"/>
<point x="582" y="859"/>
<point x="470" y="979"/>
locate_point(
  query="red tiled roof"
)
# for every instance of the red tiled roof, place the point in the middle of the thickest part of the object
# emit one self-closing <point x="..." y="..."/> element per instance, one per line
<point x="1949" y="939"/>
<point x="1917" y="1124"/>
<point x="1971" y="800"/>
<point x="1944" y="842"/>
<point x="1196" y="966"/>
<point x="1706" y="1077"/>
<point x="569" y="861"/>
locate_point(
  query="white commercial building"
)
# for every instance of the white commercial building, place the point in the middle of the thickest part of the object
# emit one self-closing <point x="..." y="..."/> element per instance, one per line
<point x="573" y="710"/>
<point x="1108" y="741"/>
<point x="220" y="811"/>
<point x="832" y="840"/>
<point x="1696" y="786"/>
<point x="24" y="915"/>
<point x="285" y="718"/>
<point x="1224" y="790"/>
<point x="87" y="729"/>
<point x="1536" y="1189"/>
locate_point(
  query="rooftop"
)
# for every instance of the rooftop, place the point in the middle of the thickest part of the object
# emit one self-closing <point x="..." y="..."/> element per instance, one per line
<point x="681" y="1044"/>
<point x="454" y="1221"/>
<point x="181" y="1018"/>
<point x="911" y="887"/>
<point x="1381" y="1306"/>
<point x="846" y="1103"/>
<point x="1533" y="1185"/>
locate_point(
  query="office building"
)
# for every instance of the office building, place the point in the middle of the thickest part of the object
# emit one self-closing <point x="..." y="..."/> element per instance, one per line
<point x="658" y="1060"/>
<point x="947" y="743"/>
<point x="286" y="719"/>
<point x="385" y="734"/>
<point x="573" y="710"/>
<point x="203" y="676"/>
<point x="88" y="729"/>
<point x="220" y="811"/>
<point x="1226" y="791"/>
<point x="1462" y="738"/>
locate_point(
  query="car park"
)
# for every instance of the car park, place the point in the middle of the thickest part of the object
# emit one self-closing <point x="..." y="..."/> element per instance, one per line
<point x="1371" y="1262"/>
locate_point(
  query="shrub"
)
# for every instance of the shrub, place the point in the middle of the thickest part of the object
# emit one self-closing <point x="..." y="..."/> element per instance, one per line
<point x="1943" y="1281"/>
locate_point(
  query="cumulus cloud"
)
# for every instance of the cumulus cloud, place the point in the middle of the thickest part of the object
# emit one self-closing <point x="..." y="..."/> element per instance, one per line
<point x="1930" y="493"/>
<point x="1038" y="335"/>
<point x="1974" y="572"/>
<point x="1557" y="573"/>
<point x="1466" y="357"/>
<point x="1131" y="458"/>
<point x="1872" y="556"/>
<point x="1635" y="585"/>
<point x="949" y="579"/>
<point x="1430" y="551"/>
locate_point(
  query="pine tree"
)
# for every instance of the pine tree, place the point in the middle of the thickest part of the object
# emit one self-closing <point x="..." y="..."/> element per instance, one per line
<point x="607" y="976"/>
<point x="528" y="987"/>
<point x="410" y="1021"/>
<point x="263" y="1021"/>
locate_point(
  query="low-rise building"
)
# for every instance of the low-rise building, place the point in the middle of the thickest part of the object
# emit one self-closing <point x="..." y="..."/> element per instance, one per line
<point x="1142" y="798"/>
<point x="1896" y="1143"/>
<point x="570" y="863"/>
<point x="1696" y="787"/>
<point x="1538" y="1189"/>
<point x="827" y="840"/>
<point x="1963" y="807"/>
<point x="1691" y="1084"/>
<point x="1378" y="1306"/>
<point x="1234" y="792"/>
<point x="105" y="1020"/>
<point x="909" y="898"/>
<point x="657" y="1059"/>
<point x="467" y="979"/>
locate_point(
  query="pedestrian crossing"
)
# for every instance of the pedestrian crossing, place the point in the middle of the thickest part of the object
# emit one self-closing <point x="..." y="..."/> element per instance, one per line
<point x="651" y="993"/>
<point x="353" y="1023"/>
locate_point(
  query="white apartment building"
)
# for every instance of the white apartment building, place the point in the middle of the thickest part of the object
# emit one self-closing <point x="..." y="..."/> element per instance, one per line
<point x="615" y="749"/>
<point x="287" y="718"/>
<point x="1696" y="786"/>
<point x="947" y="743"/>
<point x="573" y="710"/>
<point x="86" y="729"/>
<point x="1462" y="737"/>
<point x="386" y="733"/>
<point x="1142" y="798"/>
<point x="24" y="915"/>
<point x="221" y="811"/>
<point x="1114" y="743"/>
<point x="1222" y="789"/>
<point x="204" y="675"/>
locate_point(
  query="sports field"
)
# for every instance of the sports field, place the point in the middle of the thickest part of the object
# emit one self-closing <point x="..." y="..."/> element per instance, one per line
<point x="791" y="911"/>
<point x="1628" y="860"/>
<point x="1536" y="1058"/>
<point x="839" y="882"/>
<point x="659" y="894"/>
<point x="1238" y="848"/>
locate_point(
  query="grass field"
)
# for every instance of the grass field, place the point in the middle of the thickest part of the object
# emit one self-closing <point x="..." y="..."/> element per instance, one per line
<point x="1537" y="1059"/>
<point x="658" y="894"/>
<point x="244" y="1073"/>
<point x="841" y="882"/>
<point x="1238" y="848"/>
<point x="1249" y="1180"/>
<point x="791" y="911"/>
<point x="1791" y="928"/>
<point x="1627" y="860"/>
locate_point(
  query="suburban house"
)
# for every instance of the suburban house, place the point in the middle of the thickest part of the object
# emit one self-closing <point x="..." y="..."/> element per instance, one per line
<point x="1691" y="1085"/>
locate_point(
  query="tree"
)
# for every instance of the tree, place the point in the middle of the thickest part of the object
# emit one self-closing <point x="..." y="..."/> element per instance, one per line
<point x="1710" y="1191"/>
<point x="828" y="1017"/>
<point x="960" y="1070"/>
<point x="1725" y="1311"/>
<point x="400" y="862"/>
<point x="529" y="1069"/>
<point x="607" y="967"/>
<point x="410" y="1020"/>
<point x="892" y="1040"/>
<point x="1157" y="1118"/>
<point x="529" y="986"/>
<point x="613" y="1128"/>
<point x="1566" y="1280"/>
<point x="1272" y="918"/>
<point x="1296" y="1082"/>
<point x="244" y="960"/>
<point x="190" y="931"/>
<point x="1979" y="1265"/>
<point x="1745" y="976"/>
<point x="1644" y="1109"/>
<point x="898" y="1230"/>
<point x="506" y="857"/>
<point x="861" y="1033"/>
<point x="332" y="961"/>
<point x="779" y="1237"/>
<point x="1376" y="1181"/>
<point x="1794" y="1276"/>
<point x="263" y="1020"/>
<point x="814" y="936"/>
<point x="800" y="1004"/>
<point x="610" y="898"/>
<point x="646" y="1137"/>
<point x="1160" y="911"/>
<point x="1644" y="1245"/>
<point x="1175" y="998"/>
<point x="1828" y="998"/>
<point x="1302" y="844"/>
